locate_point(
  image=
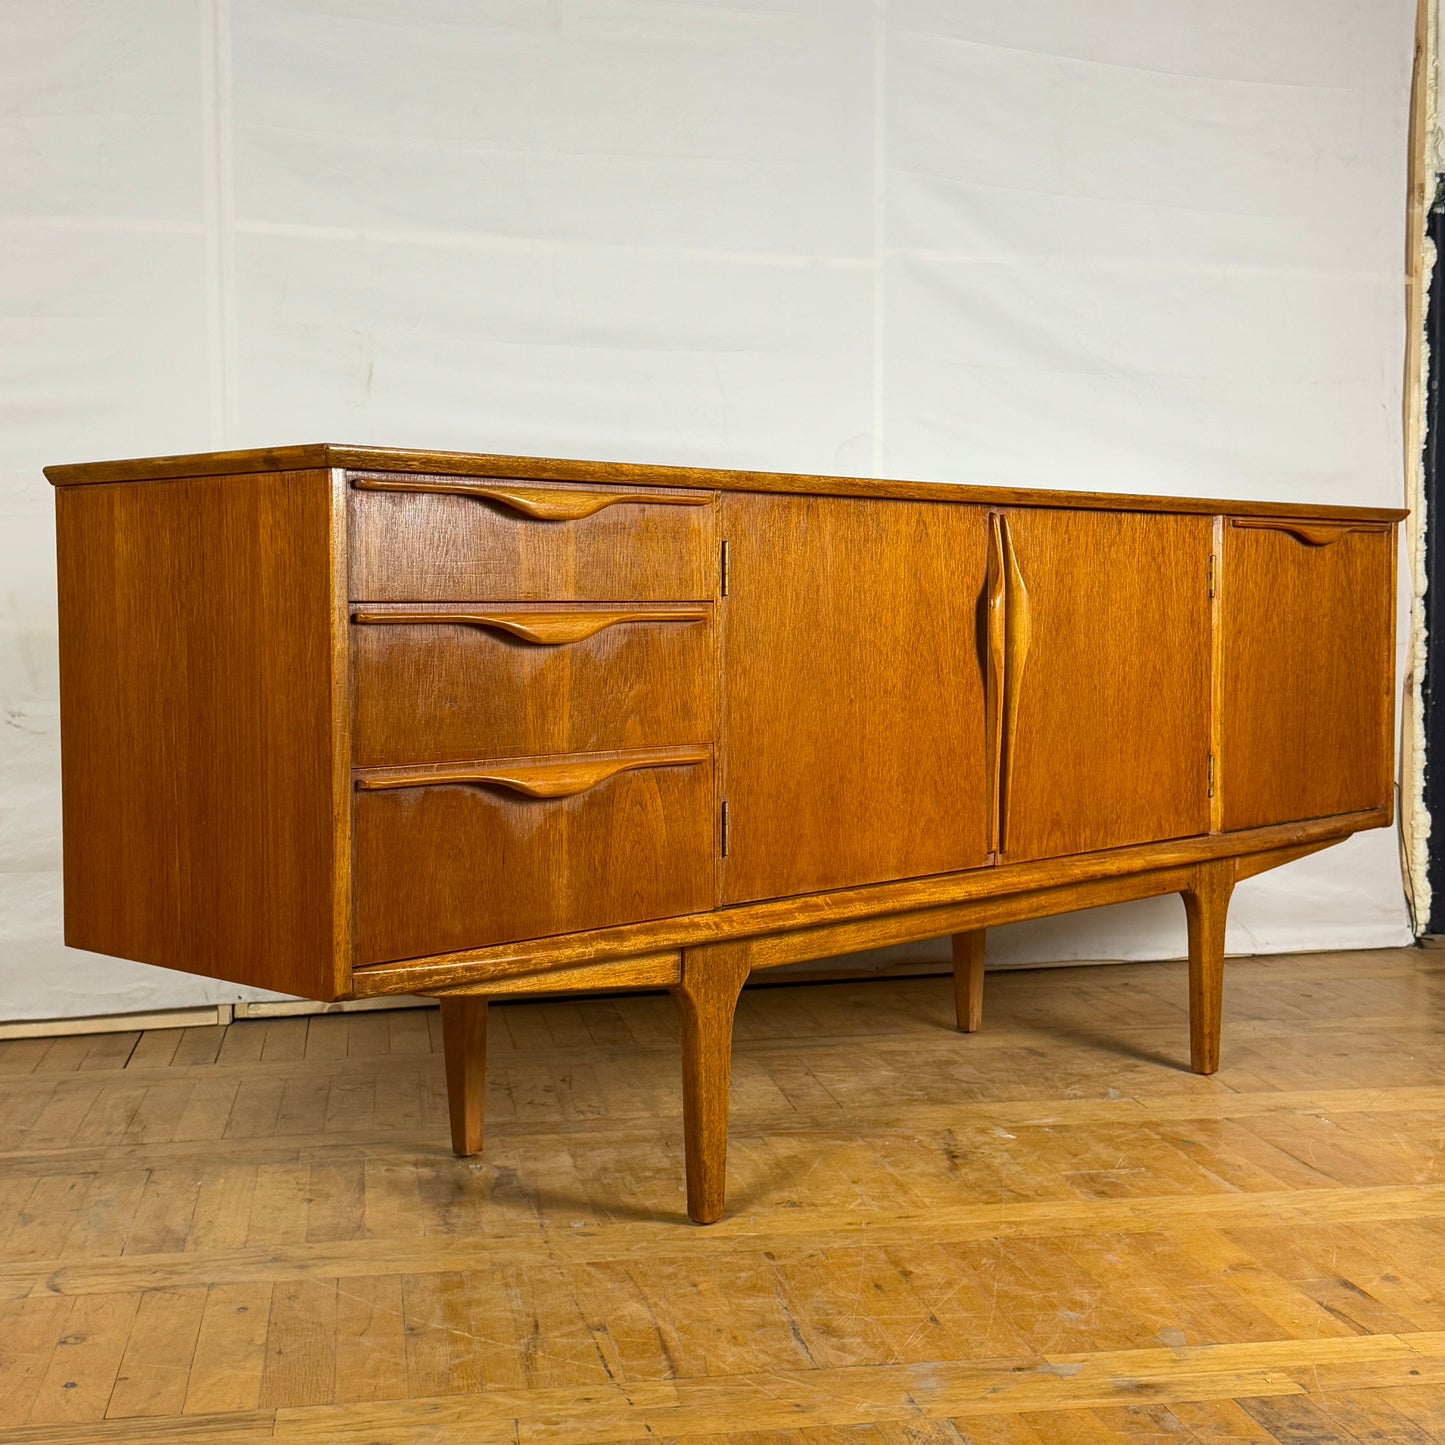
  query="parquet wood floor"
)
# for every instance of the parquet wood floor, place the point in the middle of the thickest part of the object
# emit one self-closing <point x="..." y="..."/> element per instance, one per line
<point x="1048" y="1231"/>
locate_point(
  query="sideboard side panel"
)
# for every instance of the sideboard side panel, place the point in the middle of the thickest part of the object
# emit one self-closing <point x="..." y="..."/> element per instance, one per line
<point x="199" y="744"/>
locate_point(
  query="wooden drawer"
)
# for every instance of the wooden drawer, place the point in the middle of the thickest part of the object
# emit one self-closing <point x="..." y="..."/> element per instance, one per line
<point x="441" y="682"/>
<point x="459" y="538"/>
<point x="457" y="857"/>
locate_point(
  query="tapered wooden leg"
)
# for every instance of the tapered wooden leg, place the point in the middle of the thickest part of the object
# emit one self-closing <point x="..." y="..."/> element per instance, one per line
<point x="464" y="1046"/>
<point x="968" y="978"/>
<point x="1205" y="906"/>
<point x="707" y="997"/>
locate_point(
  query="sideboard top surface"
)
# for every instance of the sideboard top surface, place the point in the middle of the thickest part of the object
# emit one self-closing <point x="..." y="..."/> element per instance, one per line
<point x="391" y="459"/>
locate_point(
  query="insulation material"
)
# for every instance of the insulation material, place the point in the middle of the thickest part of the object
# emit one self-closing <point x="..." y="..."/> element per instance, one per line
<point x="1415" y="821"/>
<point x="1131" y="245"/>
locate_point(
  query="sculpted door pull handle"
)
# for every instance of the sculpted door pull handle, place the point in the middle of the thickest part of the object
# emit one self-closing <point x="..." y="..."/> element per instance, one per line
<point x="1017" y="633"/>
<point x="995" y="601"/>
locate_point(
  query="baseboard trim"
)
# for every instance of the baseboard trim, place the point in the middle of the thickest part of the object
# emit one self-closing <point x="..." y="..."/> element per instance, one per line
<point x="822" y="971"/>
<point x="287" y="1008"/>
<point x="174" y="1018"/>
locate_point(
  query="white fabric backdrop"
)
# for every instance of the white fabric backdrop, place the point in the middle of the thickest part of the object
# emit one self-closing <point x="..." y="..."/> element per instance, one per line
<point x="1147" y="245"/>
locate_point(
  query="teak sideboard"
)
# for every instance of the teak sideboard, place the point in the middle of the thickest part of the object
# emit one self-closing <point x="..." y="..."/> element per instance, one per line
<point x="347" y="722"/>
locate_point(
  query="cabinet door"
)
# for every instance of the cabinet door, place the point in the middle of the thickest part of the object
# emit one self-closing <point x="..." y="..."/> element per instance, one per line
<point x="1107" y="694"/>
<point x="853" y="720"/>
<point x="1307" y="654"/>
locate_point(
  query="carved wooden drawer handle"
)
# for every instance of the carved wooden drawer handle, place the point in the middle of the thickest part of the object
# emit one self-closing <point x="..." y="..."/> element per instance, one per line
<point x="1312" y="534"/>
<point x="545" y="504"/>
<point x="560" y="778"/>
<point x="547" y="629"/>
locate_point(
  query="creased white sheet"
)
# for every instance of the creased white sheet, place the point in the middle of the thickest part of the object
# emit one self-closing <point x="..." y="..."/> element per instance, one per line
<point x="1142" y="245"/>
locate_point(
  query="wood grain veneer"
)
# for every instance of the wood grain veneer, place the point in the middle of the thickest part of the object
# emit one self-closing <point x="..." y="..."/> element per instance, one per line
<point x="435" y="540"/>
<point x="440" y="682"/>
<point x="348" y="721"/>
<point x="203" y="754"/>
<point x="1110" y="743"/>
<point x="453" y="855"/>
<point x="1307" y="707"/>
<point x="852" y="695"/>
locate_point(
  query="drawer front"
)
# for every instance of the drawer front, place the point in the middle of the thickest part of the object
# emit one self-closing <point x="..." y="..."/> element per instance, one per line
<point x="440" y="683"/>
<point x="450" y="858"/>
<point x="459" y="538"/>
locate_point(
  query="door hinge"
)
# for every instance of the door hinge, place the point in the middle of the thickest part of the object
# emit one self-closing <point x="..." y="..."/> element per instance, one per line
<point x="1211" y="775"/>
<point x="1211" y="574"/>
<point x="725" y="568"/>
<point x="723" y="828"/>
